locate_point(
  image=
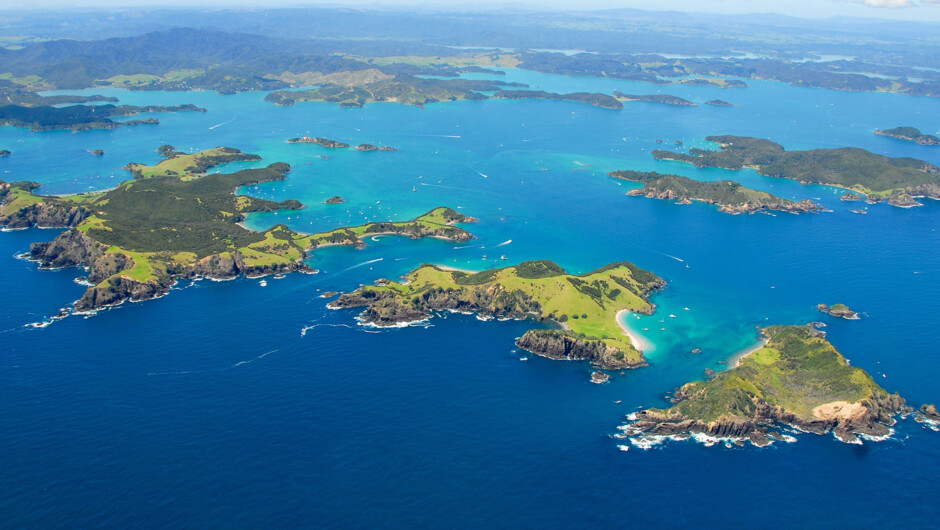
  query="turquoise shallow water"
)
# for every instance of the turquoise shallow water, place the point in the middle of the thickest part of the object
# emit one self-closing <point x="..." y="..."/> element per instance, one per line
<point x="210" y="405"/>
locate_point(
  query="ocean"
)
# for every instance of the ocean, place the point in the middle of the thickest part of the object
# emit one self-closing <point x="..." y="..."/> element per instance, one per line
<point x="230" y="403"/>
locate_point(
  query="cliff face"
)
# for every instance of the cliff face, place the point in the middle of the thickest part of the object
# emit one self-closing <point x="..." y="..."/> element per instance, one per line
<point x="798" y="379"/>
<point x="561" y="346"/>
<point x="72" y="248"/>
<point x="872" y="418"/>
<point x="383" y="308"/>
<point x="75" y="249"/>
<point x="45" y="215"/>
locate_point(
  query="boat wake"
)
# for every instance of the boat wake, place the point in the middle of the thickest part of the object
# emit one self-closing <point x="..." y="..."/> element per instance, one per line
<point x="262" y="356"/>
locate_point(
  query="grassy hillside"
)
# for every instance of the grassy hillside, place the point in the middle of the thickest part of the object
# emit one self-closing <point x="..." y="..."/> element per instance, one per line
<point x="585" y="305"/>
<point x="731" y="196"/>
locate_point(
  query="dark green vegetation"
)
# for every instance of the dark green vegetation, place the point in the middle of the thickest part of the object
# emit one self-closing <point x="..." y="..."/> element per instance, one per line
<point x="719" y="103"/>
<point x="798" y="378"/>
<point x="878" y="176"/>
<point x="730" y="196"/>
<point x="13" y="94"/>
<point x="174" y="221"/>
<point x="586" y="305"/>
<point x="591" y="98"/>
<point x="629" y="44"/>
<point x="80" y="117"/>
<point x="910" y="134"/>
<point x="654" y="98"/>
<point x="404" y="89"/>
<point x="323" y="142"/>
<point x="411" y="90"/>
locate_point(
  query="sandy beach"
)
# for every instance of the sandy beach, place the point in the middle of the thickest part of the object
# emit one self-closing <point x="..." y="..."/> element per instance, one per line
<point x="735" y="359"/>
<point x="641" y="344"/>
<point x="449" y="268"/>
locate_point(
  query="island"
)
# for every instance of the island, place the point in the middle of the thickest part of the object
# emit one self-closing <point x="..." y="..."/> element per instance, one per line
<point x="336" y="199"/>
<point x="929" y="415"/>
<point x="716" y="82"/>
<point x="850" y="197"/>
<point x="654" y="98"/>
<point x="322" y="142"/>
<point x="5" y="152"/>
<point x="719" y="103"/>
<point x="82" y="117"/>
<point x="402" y="88"/>
<point x="411" y="90"/>
<point x="175" y="221"/>
<point x="910" y="134"/>
<point x="591" y="98"/>
<point x="98" y="152"/>
<point x="730" y="196"/>
<point x="897" y="180"/>
<point x="838" y="311"/>
<point x="370" y="147"/>
<point x="333" y="144"/>
<point x="584" y="308"/>
<point x="796" y="379"/>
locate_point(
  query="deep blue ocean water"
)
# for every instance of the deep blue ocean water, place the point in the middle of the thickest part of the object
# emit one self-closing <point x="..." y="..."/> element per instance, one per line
<point x="231" y="403"/>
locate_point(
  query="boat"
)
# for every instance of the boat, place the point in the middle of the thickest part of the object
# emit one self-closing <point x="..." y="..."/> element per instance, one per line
<point x="503" y="257"/>
<point x="414" y="188"/>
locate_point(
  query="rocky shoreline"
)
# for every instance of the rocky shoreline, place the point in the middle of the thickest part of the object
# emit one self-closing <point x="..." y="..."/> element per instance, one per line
<point x="798" y="381"/>
<point x="75" y="249"/>
<point x="838" y="311"/>
<point x="392" y="304"/>
<point x="731" y="197"/>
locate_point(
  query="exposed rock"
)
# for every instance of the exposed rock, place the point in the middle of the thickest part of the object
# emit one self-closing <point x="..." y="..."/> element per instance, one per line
<point x="719" y="103"/>
<point x="70" y="249"/>
<point x="870" y="418"/>
<point x="838" y="311"/>
<point x="370" y="147"/>
<point x="336" y="199"/>
<point x="45" y="215"/>
<point x="559" y="345"/>
<point x="329" y="294"/>
<point x="599" y="377"/>
<point x="928" y="413"/>
<point x="851" y="197"/>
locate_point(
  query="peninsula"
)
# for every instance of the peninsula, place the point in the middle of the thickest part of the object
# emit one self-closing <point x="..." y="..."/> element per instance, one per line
<point x="731" y="197"/>
<point x="654" y="98"/>
<point x="417" y="91"/>
<point x="81" y="117"/>
<point x="897" y="180"/>
<point x="909" y="134"/>
<point x="174" y="221"/>
<point x="591" y="98"/>
<point x="584" y="307"/>
<point x="797" y="379"/>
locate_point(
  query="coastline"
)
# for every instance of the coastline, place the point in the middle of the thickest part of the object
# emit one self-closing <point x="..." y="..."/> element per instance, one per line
<point x="640" y="343"/>
<point x="735" y="359"/>
<point x="449" y="268"/>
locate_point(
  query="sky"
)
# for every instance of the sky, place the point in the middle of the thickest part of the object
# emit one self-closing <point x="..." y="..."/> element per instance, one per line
<point x="920" y="10"/>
